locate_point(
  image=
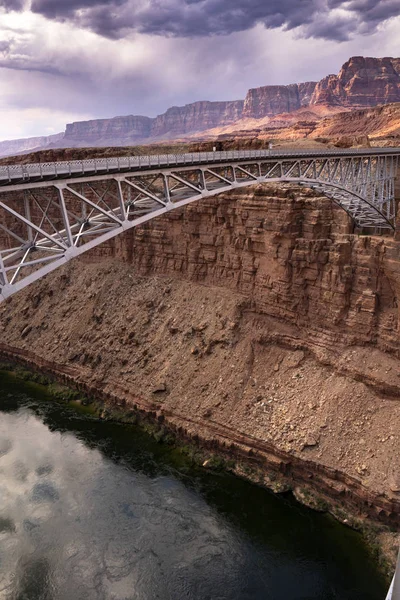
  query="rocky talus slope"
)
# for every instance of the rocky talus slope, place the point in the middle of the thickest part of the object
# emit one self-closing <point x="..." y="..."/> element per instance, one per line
<point x="378" y="123"/>
<point x="253" y="318"/>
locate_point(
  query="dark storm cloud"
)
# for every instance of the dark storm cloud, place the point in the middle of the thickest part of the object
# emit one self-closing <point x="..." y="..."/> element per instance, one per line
<point x="222" y="16"/>
<point x="369" y="12"/>
<point x="194" y="18"/>
<point x="178" y="18"/>
<point x="12" y="4"/>
<point x="54" y="9"/>
<point x="338" y="29"/>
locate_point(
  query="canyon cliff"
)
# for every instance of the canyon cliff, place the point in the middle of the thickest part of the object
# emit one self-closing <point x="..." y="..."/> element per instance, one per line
<point x="197" y="116"/>
<point x="361" y="83"/>
<point x="254" y="319"/>
<point x="272" y="100"/>
<point x="176" y="121"/>
<point x="126" y="129"/>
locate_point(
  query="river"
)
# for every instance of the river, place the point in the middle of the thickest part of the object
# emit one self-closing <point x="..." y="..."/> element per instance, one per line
<point x="93" y="510"/>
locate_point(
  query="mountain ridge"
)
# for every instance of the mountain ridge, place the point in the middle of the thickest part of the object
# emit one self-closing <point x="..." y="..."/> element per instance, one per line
<point x="362" y="82"/>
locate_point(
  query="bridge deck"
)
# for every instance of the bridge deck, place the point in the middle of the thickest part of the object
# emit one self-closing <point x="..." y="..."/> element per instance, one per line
<point x="51" y="171"/>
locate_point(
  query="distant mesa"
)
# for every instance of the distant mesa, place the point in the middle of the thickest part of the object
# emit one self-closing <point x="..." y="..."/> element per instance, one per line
<point x="272" y="100"/>
<point x="136" y="127"/>
<point x="361" y="83"/>
<point x="10" y="147"/>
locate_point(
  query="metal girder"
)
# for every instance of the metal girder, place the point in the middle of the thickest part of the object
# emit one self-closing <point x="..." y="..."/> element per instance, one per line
<point x="44" y="223"/>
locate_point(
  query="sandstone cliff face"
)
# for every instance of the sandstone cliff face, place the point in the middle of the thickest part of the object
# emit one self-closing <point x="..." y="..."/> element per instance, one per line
<point x="289" y="251"/>
<point x="276" y="99"/>
<point x="264" y="317"/>
<point x="306" y="91"/>
<point x="328" y="91"/>
<point x="123" y="128"/>
<point x="361" y="82"/>
<point x="176" y="121"/>
<point x="197" y="116"/>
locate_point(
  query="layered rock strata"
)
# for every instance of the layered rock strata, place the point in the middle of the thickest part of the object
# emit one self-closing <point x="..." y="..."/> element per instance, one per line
<point x="177" y="120"/>
<point x="131" y="128"/>
<point x="373" y="123"/>
<point x="272" y="100"/>
<point x="253" y="319"/>
<point x="361" y="82"/>
<point x="197" y="116"/>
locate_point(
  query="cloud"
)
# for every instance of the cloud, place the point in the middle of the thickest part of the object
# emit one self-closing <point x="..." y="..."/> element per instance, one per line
<point x="12" y="4"/>
<point x="53" y="72"/>
<point x="368" y="14"/>
<point x="58" y="9"/>
<point x="338" y="27"/>
<point x="5" y="46"/>
<point x="329" y="19"/>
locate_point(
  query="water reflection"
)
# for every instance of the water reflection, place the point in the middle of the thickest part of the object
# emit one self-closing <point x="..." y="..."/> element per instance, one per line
<point x="91" y="510"/>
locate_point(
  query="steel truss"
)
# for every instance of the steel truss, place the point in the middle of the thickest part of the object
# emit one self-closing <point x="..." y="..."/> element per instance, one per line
<point x="44" y="223"/>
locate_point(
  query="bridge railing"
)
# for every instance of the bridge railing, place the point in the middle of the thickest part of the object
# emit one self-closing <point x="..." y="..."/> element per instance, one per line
<point x="55" y="170"/>
<point x="100" y="165"/>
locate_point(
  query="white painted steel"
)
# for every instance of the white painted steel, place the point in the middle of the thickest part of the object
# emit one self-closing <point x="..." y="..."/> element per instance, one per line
<point x="394" y="590"/>
<point x="66" y="169"/>
<point x="52" y="212"/>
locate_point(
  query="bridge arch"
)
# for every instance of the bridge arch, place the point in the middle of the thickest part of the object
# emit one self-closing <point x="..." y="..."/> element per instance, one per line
<point x="50" y="214"/>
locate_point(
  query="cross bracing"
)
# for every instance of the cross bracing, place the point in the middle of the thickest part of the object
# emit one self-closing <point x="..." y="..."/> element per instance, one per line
<point x="52" y="212"/>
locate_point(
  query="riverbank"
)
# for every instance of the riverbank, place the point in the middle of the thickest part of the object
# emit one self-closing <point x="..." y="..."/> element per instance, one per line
<point x="238" y="456"/>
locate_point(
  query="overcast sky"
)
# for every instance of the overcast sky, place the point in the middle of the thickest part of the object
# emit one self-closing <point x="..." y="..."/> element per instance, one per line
<point x="68" y="60"/>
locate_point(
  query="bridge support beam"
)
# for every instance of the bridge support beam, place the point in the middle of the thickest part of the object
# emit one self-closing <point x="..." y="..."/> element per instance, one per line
<point x="43" y="223"/>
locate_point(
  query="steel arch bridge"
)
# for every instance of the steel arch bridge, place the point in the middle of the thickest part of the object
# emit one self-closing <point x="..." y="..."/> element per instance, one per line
<point x="53" y="212"/>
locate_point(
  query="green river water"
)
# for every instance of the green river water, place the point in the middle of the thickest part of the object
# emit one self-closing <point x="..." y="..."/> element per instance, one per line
<point x="93" y="510"/>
